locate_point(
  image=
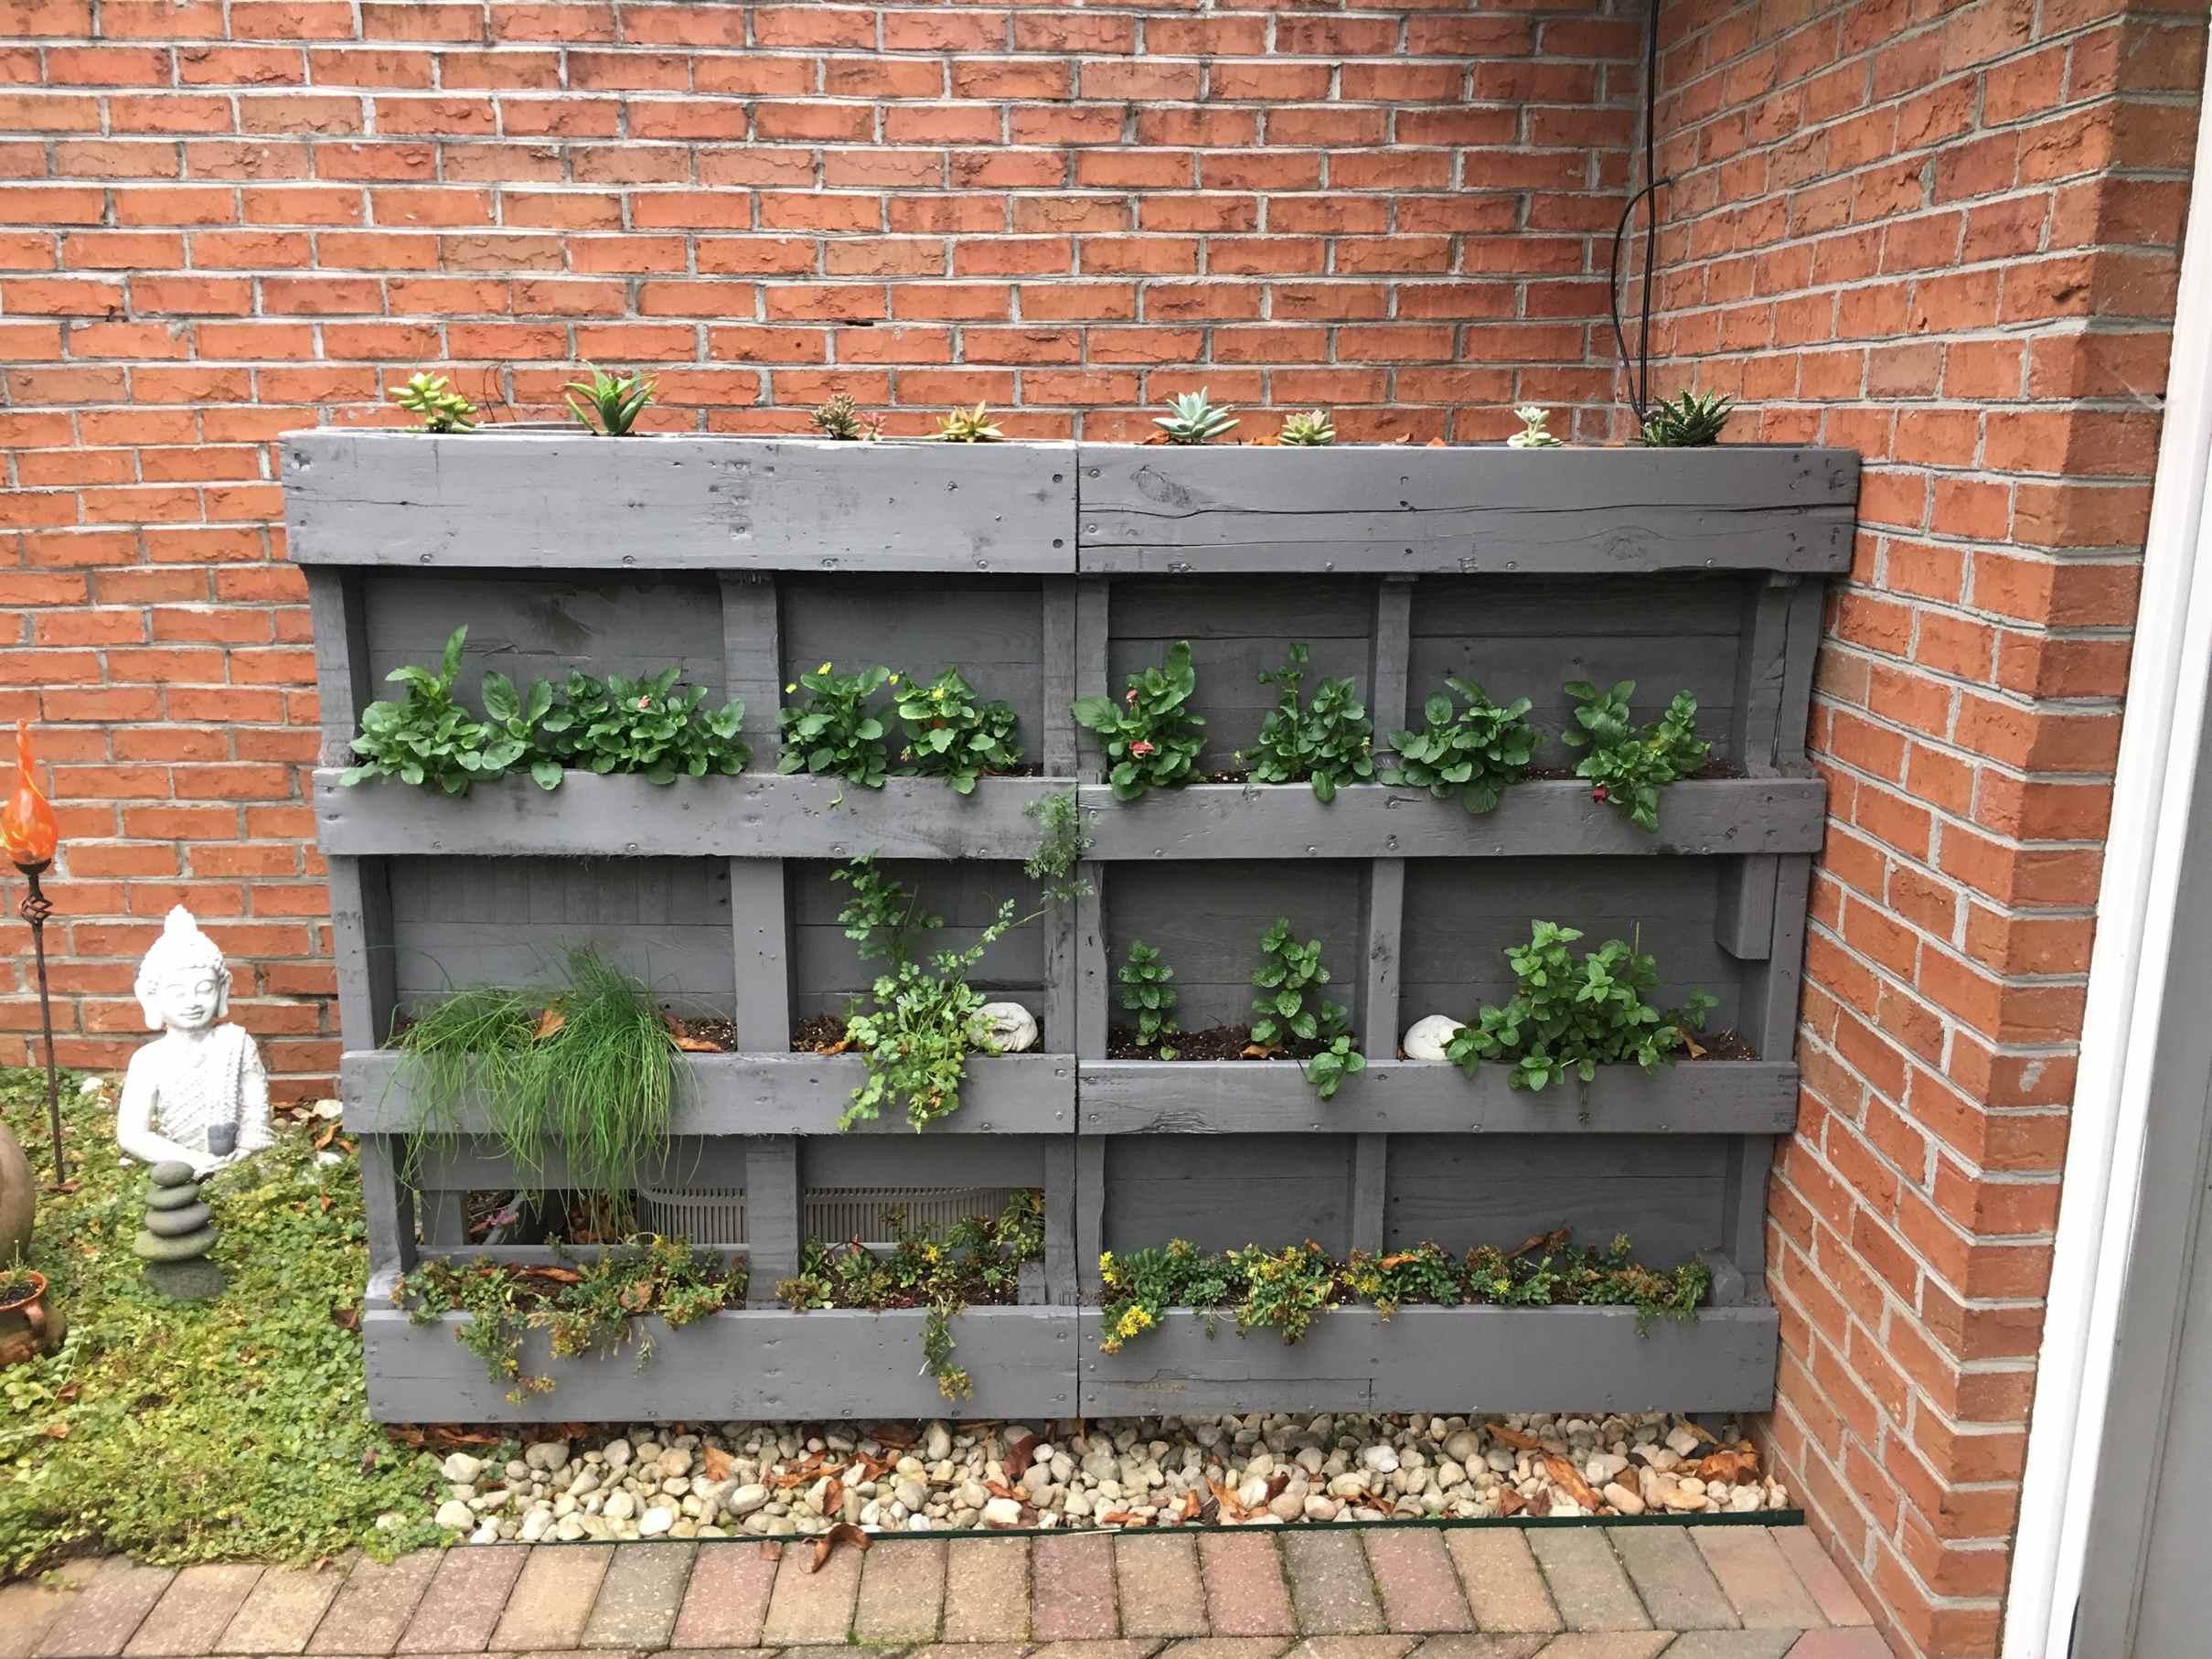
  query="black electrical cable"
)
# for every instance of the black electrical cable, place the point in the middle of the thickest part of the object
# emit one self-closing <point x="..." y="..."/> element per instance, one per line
<point x="1639" y="387"/>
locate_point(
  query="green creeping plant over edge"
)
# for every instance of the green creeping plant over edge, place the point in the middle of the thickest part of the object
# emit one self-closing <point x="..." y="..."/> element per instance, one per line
<point x="426" y="738"/>
<point x="1150" y="737"/>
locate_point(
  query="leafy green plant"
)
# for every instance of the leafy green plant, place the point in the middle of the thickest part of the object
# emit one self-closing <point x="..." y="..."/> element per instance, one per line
<point x="1151" y="739"/>
<point x="1691" y="422"/>
<point x="610" y="404"/>
<point x="1423" y="1274"/>
<point x="969" y="426"/>
<point x="1136" y="1288"/>
<point x="1570" y="1015"/>
<point x="594" y="1076"/>
<point x="980" y="1261"/>
<point x="585" y="1310"/>
<point x="643" y="726"/>
<point x="950" y="733"/>
<point x="1291" y="1007"/>
<point x="1564" y="1274"/>
<point x="1190" y="419"/>
<point x="514" y="718"/>
<point x="1534" y="432"/>
<point x="1628" y="765"/>
<point x="1308" y="431"/>
<point x="1285" y="1291"/>
<point x="1328" y="742"/>
<point x="835" y="732"/>
<point x="433" y="399"/>
<point x="881" y="918"/>
<point x="1476" y="751"/>
<point x="841" y="418"/>
<point x="427" y="738"/>
<point x="1147" y="991"/>
<point x="1062" y="840"/>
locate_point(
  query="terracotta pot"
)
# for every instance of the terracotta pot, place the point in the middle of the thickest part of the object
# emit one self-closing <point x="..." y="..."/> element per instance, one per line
<point x="19" y="1198"/>
<point x="28" y="1328"/>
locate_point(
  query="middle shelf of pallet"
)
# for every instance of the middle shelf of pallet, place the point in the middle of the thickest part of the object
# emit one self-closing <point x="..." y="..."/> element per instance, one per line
<point x="766" y="815"/>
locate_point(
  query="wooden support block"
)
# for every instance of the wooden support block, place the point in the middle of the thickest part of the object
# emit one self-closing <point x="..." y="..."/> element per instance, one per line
<point x="1061" y="668"/>
<point x="389" y="1205"/>
<point x="1062" y="1276"/>
<point x="1091" y="625"/>
<point x="360" y="948"/>
<point x="1743" y="924"/>
<point x="1090" y="1212"/>
<point x="774" y="1203"/>
<point x="752" y="657"/>
<point x="1370" y="1176"/>
<point x="761" y="927"/>
<point x="1760" y="666"/>
<point x="341" y="658"/>
<point x="1384" y="905"/>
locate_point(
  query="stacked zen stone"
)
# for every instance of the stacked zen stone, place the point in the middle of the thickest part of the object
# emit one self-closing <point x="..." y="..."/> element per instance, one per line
<point x="179" y="1233"/>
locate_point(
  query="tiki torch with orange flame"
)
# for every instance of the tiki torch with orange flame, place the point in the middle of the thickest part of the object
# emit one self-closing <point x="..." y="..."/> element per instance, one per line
<point x="30" y="833"/>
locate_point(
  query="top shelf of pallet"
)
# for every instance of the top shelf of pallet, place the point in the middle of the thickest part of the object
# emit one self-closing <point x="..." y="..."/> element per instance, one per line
<point x="567" y="502"/>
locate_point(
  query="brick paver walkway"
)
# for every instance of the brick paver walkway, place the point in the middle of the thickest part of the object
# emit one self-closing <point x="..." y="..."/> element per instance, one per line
<point x="1339" y="1592"/>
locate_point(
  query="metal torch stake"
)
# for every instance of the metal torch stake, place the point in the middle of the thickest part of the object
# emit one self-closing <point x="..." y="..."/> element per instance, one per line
<point x="34" y="909"/>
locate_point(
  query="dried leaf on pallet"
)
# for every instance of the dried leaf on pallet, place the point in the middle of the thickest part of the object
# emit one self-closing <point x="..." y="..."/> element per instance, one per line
<point x="1259" y="1051"/>
<point x="1514" y="1438"/>
<point x="1546" y="1242"/>
<point x="560" y="1276"/>
<point x="833" y="1499"/>
<point x="1732" y="1466"/>
<point x="550" y="1022"/>
<point x="1021" y="1455"/>
<point x="1566" y="1474"/>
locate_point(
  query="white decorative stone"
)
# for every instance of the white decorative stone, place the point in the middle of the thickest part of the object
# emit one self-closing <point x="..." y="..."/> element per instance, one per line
<point x="200" y="1086"/>
<point x="1426" y="1037"/>
<point x="1008" y="1027"/>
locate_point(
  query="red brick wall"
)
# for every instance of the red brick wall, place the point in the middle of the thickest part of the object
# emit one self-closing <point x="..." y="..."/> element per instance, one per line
<point x="221" y="221"/>
<point x="1944" y="235"/>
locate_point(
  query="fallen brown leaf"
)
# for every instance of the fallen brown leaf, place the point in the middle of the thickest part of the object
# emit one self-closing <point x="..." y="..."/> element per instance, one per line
<point x="560" y="1276"/>
<point x="1436" y="444"/>
<point x="1566" y="1474"/>
<point x="1541" y="1504"/>
<point x="1734" y="1467"/>
<point x="1510" y="1502"/>
<point x="1117" y="1517"/>
<point x="1710" y="1439"/>
<point x="1260" y="1051"/>
<point x="1514" y="1438"/>
<point x="893" y="1436"/>
<point x="1021" y="1455"/>
<point x="1189" y="1505"/>
<point x="720" y="1464"/>
<point x="697" y="1045"/>
<point x="56" y="1430"/>
<point x="550" y="1022"/>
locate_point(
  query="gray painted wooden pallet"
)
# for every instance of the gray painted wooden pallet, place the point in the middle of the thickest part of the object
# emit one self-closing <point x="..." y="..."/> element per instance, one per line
<point x="1045" y="572"/>
<point x="1494" y="1359"/>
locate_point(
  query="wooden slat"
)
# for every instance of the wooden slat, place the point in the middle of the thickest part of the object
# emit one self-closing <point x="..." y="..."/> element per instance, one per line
<point x="1404" y="1097"/>
<point x="767" y="1364"/>
<point x="361" y="947"/>
<point x="1409" y="511"/>
<point x="1760" y="666"/>
<point x="768" y="1094"/>
<point x="387" y="1205"/>
<point x="1370" y="1191"/>
<point x="341" y="659"/>
<point x="1060" y="672"/>
<point x="569" y="501"/>
<point x="1425" y="1359"/>
<point x="752" y="658"/>
<point x="774" y="1214"/>
<point x="1092" y="626"/>
<point x="1062" y="1273"/>
<point x="761" y="928"/>
<point x="1743" y="923"/>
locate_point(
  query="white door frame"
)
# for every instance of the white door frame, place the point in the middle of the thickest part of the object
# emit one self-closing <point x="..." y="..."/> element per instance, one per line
<point x="2162" y="738"/>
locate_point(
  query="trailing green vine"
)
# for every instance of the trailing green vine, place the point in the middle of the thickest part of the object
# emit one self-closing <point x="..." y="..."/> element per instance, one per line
<point x="1286" y="1291"/>
<point x="979" y="1261"/>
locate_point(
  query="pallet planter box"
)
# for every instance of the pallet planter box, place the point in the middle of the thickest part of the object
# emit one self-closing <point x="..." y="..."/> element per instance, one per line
<point x="1044" y="572"/>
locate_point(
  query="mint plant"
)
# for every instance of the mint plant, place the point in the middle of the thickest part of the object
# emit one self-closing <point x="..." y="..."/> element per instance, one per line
<point x="1291" y="1007"/>
<point x="953" y="735"/>
<point x="1570" y="1015"/>
<point x="835" y="732"/>
<point x="1151" y="739"/>
<point x="428" y="739"/>
<point x="1328" y="742"/>
<point x="1147" y="991"/>
<point x="1475" y="751"/>
<point x="1628" y="765"/>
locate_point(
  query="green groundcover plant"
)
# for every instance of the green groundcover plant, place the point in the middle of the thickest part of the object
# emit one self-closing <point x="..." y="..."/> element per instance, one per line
<point x="1286" y="1291"/>
<point x="236" y="1428"/>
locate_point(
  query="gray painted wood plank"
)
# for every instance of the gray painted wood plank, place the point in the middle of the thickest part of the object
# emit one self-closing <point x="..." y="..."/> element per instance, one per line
<point x="759" y="815"/>
<point x="388" y="1206"/>
<point x="1384" y="909"/>
<point x="774" y="1214"/>
<point x="1090" y="1210"/>
<point x="1206" y="920"/>
<point x="1761" y="664"/>
<point x="1807" y="608"/>
<point x="1440" y="1359"/>
<point x="752" y="656"/>
<point x="362" y="948"/>
<point x="924" y="1161"/>
<point x="769" y="1095"/>
<point x="1666" y="1192"/>
<point x="1406" y="509"/>
<point x="770" y="1364"/>
<point x="1544" y="816"/>
<point x="1744" y="1206"/>
<point x="562" y="500"/>
<point x="1370" y="1191"/>
<point x="1062" y="1277"/>
<point x="1093" y="609"/>
<point x="1390" y="657"/>
<point x="1743" y="924"/>
<point x="1771" y="987"/>
<point x="1060" y="670"/>
<point x="1097" y="1004"/>
<point x="827" y="970"/>
<point x="761" y="929"/>
<point x="1226" y="1194"/>
<point x="339" y="616"/>
<point x="1406" y="1097"/>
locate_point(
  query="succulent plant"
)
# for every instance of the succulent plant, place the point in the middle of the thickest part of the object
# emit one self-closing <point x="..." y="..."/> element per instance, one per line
<point x="1689" y="423"/>
<point x="841" y="418"/>
<point x="1190" y="419"/>
<point x="1308" y="430"/>
<point x="432" y="398"/>
<point x="1532" y="434"/>
<point x="609" y="403"/>
<point x="969" y="426"/>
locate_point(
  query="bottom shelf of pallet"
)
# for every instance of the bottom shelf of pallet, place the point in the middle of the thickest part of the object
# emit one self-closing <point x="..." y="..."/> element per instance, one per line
<point x="1044" y="1361"/>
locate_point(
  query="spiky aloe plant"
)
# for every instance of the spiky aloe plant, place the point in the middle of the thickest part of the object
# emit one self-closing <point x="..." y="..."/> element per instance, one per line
<point x="969" y="426"/>
<point x="840" y="417"/>
<point x="1190" y="419"/>
<point x="1689" y="423"/>
<point x="1306" y="431"/>
<point x="610" y="404"/>
<point x="1533" y="435"/>
<point x="441" y="408"/>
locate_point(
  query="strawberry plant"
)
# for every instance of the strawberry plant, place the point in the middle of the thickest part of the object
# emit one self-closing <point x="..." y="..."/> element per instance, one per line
<point x="834" y="733"/>
<point x="1149" y="992"/>
<point x="1150" y="737"/>
<point x="1291" y="1008"/>
<point x="1475" y="751"/>
<point x="950" y="734"/>
<point x="644" y="726"/>
<point x="428" y="739"/>
<point x="1628" y="765"/>
<point x="1328" y="742"/>
<point x="1570" y="1015"/>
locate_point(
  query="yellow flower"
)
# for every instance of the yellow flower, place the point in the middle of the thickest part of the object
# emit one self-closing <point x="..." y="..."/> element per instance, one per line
<point x="1105" y="1268"/>
<point x="823" y="669"/>
<point x="792" y="687"/>
<point x="893" y="679"/>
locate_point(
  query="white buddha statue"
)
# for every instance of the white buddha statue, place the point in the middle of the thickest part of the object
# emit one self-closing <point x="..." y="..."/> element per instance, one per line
<point x="196" y="1093"/>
